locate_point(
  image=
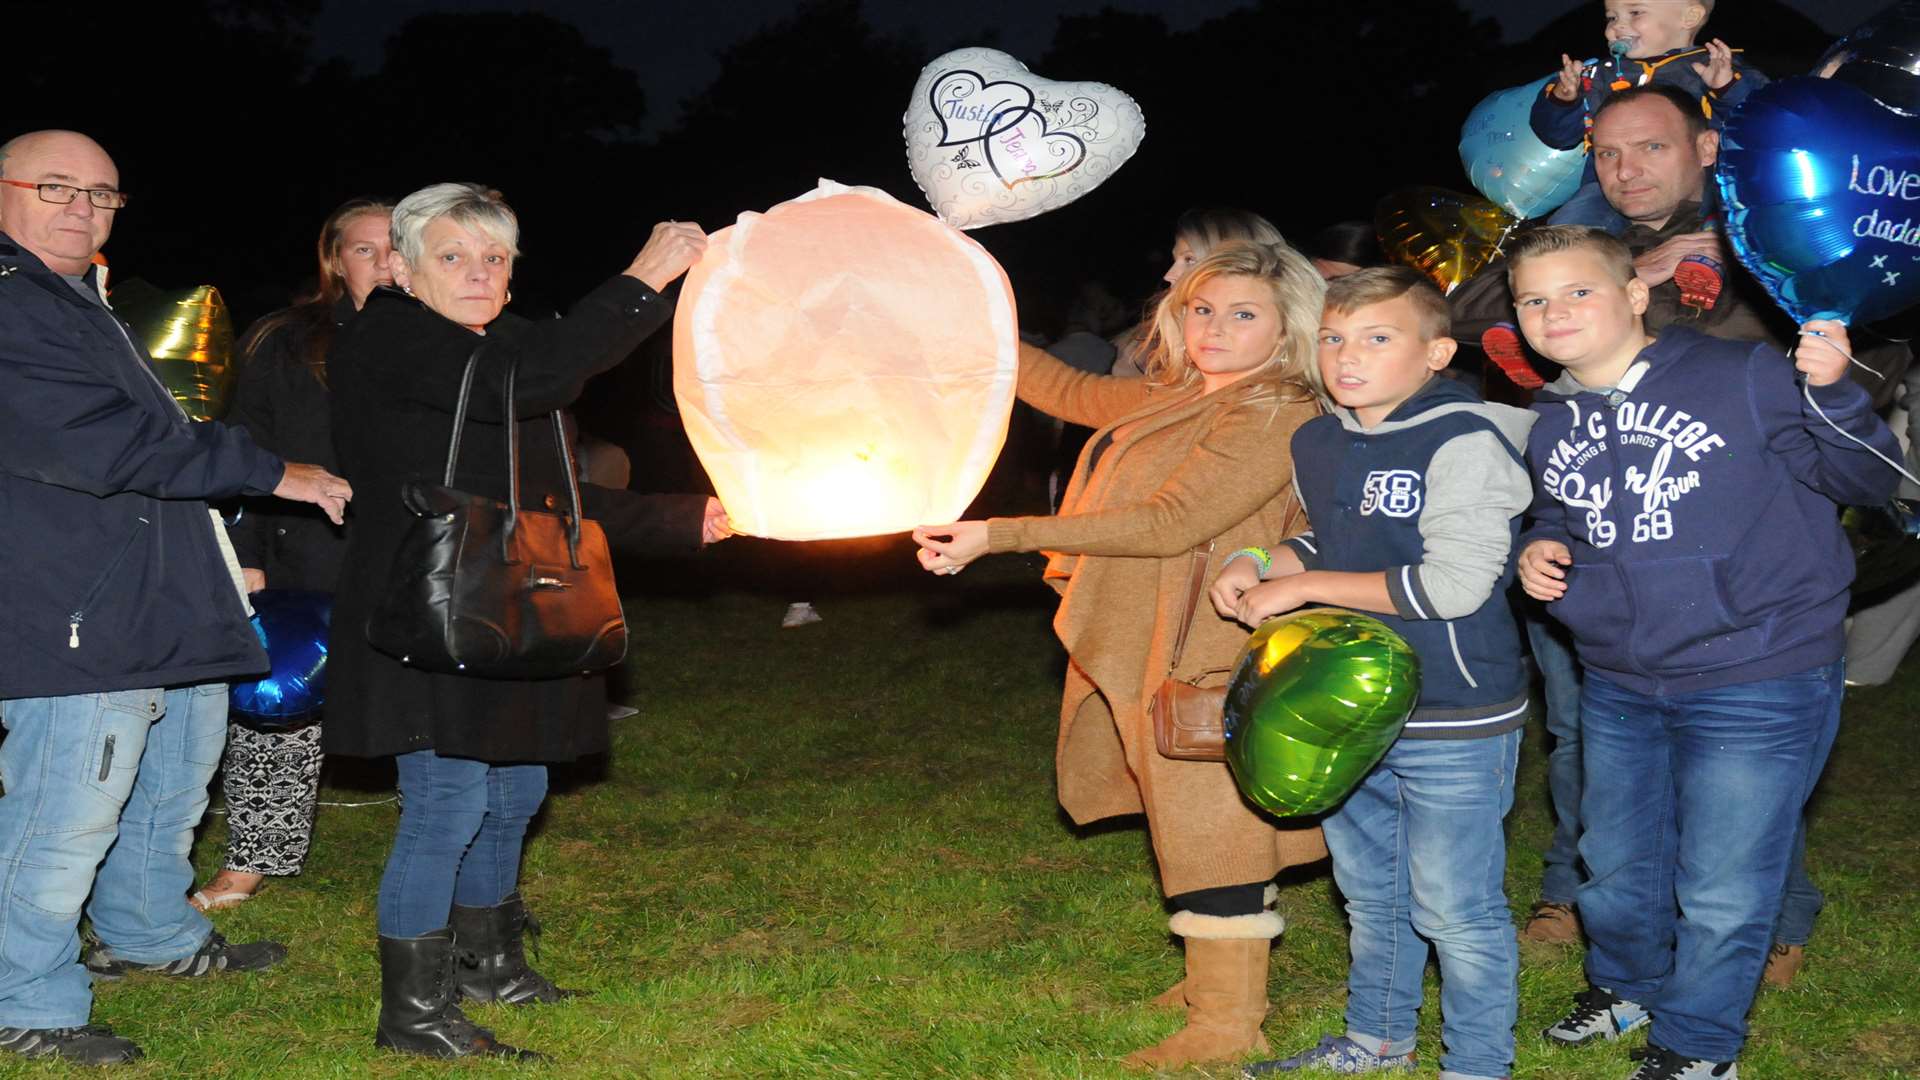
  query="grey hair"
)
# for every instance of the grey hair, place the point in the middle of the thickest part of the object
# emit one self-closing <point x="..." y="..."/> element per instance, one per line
<point x="474" y="206"/>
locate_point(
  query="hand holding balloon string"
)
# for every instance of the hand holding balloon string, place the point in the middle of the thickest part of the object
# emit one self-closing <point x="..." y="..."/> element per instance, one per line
<point x="964" y="542"/>
<point x="1239" y="593"/>
<point x="1825" y="364"/>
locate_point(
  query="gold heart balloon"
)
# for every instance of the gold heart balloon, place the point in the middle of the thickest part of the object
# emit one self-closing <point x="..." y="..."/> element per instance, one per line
<point x="1443" y="234"/>
<point x="190" y="337"/>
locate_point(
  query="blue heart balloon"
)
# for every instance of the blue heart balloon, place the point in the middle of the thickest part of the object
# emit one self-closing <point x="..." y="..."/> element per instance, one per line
<point x="1822" y="191"/>
<point x="1509" y="163"/>
<point x="292" y="625"/>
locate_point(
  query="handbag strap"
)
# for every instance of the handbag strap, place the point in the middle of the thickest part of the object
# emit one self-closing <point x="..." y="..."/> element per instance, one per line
<point x="460" y="414"/>
<point x="1196" y="581"/>
<point x="510" y="417"/>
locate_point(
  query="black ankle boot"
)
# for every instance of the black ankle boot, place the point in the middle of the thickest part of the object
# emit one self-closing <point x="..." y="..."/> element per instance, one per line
<point x="490" y="943"/>
<point x="417" y="1010"/>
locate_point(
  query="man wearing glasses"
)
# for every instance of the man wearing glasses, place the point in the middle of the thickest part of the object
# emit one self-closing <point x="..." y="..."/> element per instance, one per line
<point x="122" y="620"/>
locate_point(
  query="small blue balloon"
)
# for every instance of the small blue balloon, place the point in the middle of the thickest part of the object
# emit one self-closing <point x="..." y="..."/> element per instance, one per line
<point x="1822" y="191"/>
<point x="292" y="624"/>
<point x="1509" y="163"/>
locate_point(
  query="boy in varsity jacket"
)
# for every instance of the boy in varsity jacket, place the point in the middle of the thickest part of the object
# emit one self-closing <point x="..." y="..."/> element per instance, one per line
<point x="1414" y="487"/>
<point x="1685" y="529"/>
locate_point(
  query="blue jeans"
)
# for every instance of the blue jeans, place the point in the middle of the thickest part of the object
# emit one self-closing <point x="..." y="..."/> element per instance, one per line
<point x="1560" y="674"/>
<point x="1589" y="206"/>
<point x="103" y="792"/>
<point x="1802" y="902"/>
<point x="461" y="826"/>
<point x="1420" y="854"/>
<point x="1691" y="806"/>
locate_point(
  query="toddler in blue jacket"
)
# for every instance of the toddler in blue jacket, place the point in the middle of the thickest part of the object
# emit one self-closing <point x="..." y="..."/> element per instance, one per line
<point x="1685" y="530"/>
<point x="1415" y="488"/>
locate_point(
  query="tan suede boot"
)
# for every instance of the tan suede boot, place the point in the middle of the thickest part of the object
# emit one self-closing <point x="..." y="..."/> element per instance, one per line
<point x="1225" y="990"/>
<point x="1175" y="996"/>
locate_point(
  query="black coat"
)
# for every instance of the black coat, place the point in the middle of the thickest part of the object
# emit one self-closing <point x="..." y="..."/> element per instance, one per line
<point x="283" y="404"/>
<point x="395" y="372"/>
<point x="110" y="574"/>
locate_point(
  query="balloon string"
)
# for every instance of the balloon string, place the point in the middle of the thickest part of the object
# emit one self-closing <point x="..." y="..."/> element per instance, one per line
<point x="1897" y="467"/>
<point x="1504" y="233"/>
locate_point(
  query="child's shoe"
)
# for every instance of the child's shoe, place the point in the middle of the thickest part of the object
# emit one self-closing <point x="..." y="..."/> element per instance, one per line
<point x="799" y="613"/>
<point x="1660" y="1063"/>
<point x="1700" y="280"/>
<point x="1597" y="1014"/>
<point x="1335" y="1054"/>
<point x="1502" y="345"/>
<point x="1784" y="961"/>
<point x="1552" y="923"/>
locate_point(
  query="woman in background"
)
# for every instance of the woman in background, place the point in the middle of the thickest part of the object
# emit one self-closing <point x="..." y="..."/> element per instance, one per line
<point x="1196" y="233"/>
<point x="271" y="779"/>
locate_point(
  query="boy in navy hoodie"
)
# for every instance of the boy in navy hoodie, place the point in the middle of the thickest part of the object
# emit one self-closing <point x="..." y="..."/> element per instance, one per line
<point x="1650" y="41"/>
<point x="1415" y="488"/>
<point x="1684" y="529"/>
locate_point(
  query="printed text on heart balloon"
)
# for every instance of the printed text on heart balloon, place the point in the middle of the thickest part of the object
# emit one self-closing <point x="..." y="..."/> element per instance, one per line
<point x="1881" y="180"/>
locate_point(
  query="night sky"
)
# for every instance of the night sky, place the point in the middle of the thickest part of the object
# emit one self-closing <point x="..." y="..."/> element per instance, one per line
<point x="673" y="44"/>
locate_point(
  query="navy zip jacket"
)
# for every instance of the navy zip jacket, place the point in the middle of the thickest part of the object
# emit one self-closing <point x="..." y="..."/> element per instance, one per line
<point x="1699" y="509"/>
<point x="1432" y="495"/>
<point x="111" y="577"/>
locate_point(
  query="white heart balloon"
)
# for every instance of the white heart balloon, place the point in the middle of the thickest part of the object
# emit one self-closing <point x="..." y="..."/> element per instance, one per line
<point x="990" y="142"/>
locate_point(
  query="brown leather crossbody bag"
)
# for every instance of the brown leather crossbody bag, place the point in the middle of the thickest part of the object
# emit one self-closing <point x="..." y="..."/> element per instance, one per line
<point x="1187" y="718"/>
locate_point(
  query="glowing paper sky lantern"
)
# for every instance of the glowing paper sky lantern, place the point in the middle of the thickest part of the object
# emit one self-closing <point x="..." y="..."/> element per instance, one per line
<point x="844" y="365"/>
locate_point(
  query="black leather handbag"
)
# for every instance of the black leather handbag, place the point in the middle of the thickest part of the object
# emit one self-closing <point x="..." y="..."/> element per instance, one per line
<point x="492" y="589"/>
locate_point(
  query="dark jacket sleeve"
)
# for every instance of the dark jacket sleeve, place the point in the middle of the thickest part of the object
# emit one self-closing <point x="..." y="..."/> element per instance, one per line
<point x="1746" y="81"/>
<point x="1559" y="124"/>
<point x="64" y="422"/>
<point x="555" y="357"/>
<point x="638" y="524"/>
<point x="1479" y="302"/>
<point x="1827" y="435"/>
<point x="253" y="412"/>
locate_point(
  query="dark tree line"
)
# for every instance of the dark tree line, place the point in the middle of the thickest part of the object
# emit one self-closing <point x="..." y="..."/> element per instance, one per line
<point x="236" y="142"/>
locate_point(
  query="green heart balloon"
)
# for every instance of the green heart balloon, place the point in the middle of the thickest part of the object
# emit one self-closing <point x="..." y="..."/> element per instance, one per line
<point x="1316" y="699"/>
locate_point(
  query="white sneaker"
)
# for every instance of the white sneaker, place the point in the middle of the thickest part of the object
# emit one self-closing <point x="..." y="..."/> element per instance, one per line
<point x="799" y="614"/>
<point x="1660" y="1063"/>
<point x="1597" y="1014"/>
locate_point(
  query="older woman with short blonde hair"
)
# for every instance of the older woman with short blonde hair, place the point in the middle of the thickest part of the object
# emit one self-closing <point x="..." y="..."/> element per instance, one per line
<point x="472" y="753"/>
<point x="1187" y="465"/>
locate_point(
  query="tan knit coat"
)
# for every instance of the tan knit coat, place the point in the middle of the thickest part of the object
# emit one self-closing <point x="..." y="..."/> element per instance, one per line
<point x="1183" y="468"/>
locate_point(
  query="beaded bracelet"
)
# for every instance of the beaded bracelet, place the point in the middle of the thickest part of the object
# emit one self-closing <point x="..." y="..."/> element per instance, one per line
<point x="1261" y="557"/>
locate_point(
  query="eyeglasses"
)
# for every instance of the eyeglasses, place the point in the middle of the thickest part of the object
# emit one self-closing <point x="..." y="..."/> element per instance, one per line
<point x="64" y="194"/>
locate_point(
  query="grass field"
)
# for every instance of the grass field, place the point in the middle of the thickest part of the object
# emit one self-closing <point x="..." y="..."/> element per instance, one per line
<point x="835" y="852"/>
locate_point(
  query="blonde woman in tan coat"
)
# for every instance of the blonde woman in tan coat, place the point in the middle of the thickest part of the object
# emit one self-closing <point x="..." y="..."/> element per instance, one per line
<point x="1194" y="453"/>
